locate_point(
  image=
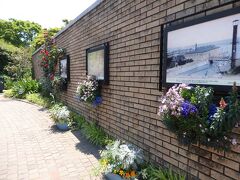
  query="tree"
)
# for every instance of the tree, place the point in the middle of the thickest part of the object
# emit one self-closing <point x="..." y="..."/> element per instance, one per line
<point x="17" y="32"/>
<point x="6" y="54"/>
<point x="40" y="39"/>
<point x="14" y="62"/>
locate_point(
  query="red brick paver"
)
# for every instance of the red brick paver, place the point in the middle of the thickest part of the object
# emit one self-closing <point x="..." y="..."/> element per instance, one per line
<point x="31" y="148"/>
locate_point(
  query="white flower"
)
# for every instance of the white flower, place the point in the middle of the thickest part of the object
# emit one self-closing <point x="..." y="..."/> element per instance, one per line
<point x="234" y="142"/>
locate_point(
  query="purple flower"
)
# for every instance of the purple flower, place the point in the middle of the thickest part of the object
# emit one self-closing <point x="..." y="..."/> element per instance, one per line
<point x="188" y="108"/>
<point x="97" y="101"/>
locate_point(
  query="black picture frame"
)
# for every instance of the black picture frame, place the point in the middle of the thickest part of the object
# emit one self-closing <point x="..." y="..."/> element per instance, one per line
<point x="97" y="62"/>
<point x="64" y="68"/>
<point x="178" y="54"/>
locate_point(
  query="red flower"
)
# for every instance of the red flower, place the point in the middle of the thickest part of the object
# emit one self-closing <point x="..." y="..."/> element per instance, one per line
<point x="222" y="103"/>
<point x="46" y="52"/>
<point x="45" y="65"/>
<point x="51" y="76"/>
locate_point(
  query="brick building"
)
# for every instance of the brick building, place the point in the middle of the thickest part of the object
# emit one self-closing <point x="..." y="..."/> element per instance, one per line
<point x="130" y="101"/>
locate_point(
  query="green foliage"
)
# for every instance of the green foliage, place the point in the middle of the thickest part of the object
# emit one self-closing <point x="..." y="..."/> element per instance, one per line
<point x="8" y="82"/>
<point x="58" y="84"/>
<point x="153" y="173"/>
<point x="38" y="99"/>
<point x="40" y="38"/>
<point x="45" y="86"/>
<point x="7" y="52"/>
<point x="78" y="120"/>
<point x="90" y="130"/>
<point x="8" y="93"/>
<point x="14" y="62"/>
<point x="25" y="86"/>
<point x="17" y="32"/>
<point x="19" y="66"/>
<point x="95" y="134"/>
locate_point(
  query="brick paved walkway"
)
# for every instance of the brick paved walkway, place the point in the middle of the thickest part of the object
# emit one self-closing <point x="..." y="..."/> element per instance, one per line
<point x="31" y="148"/>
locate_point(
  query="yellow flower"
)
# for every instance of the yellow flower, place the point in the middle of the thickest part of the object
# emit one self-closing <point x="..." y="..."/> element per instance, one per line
<point x="133" y="173"/>
<point x="121" y="173"/>
<point x="104" y="162"/>
<point x="115" y="171"/>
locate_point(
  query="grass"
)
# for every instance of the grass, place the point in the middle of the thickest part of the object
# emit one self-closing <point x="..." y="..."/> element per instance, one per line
<point x="38" y="99"/>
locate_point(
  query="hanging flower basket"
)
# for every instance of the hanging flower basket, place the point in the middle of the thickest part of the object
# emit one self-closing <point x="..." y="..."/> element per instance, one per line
<point x="89" y="91"/>
<point x="195" y="115"/>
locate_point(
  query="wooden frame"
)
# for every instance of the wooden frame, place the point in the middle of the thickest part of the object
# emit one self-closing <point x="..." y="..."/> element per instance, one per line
<point x="185" y="47"/>
<point x="64" y="68"/>
<point x="97" y="62"/>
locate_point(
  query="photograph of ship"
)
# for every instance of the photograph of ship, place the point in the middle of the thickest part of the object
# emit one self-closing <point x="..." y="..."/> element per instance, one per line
<point x="206" y="53"/>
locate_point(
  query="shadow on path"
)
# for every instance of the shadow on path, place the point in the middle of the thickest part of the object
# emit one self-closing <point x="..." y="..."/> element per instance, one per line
<point x="85" y="146"/>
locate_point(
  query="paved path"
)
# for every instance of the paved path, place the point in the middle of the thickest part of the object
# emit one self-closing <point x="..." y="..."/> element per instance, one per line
<point x="31" y="148"/>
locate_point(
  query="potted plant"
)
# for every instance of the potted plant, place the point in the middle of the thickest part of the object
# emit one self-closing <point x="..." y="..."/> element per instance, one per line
<point x="61" y="116"/>
<point x="121" y="160"/>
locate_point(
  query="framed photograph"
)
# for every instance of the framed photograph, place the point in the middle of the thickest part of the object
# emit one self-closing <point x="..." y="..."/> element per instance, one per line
<point x="64" y="68"/>
<point x="205" y="51"/>
<point x="97" y="63"/>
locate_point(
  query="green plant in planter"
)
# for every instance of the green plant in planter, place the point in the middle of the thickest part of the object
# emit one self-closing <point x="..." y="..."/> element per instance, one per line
<point x="60" y="114"/>
<point x="194" y="116"/>
<point x="122" y="159"/>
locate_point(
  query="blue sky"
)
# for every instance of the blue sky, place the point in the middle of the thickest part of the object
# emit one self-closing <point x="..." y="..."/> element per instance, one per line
<point x="48" y="13"/>
<point x="211" y="31"/>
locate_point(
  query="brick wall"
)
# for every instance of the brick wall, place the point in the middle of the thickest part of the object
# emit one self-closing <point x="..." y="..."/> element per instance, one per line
<point x="38" y="73"/>
<point x="129" y="109"/>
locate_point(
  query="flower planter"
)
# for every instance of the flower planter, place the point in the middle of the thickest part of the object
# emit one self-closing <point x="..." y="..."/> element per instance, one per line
<point x="111" y="176"/>
<point x="62" y="126"/>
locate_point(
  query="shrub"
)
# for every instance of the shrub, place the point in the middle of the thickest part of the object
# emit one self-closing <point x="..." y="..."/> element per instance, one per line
<point x="8" y="82"/>
<point x="39" y="100"/>
<point x="45" y="86"/>
<point x="25" y="86"/>
<point x="8" y="93"/>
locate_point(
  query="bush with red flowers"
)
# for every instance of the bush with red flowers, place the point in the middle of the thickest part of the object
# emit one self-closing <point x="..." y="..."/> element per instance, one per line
<point x="50" y="55"/>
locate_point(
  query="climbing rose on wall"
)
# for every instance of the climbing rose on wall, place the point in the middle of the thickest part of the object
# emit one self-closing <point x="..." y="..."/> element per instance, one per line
<point x="50" y="55"/>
